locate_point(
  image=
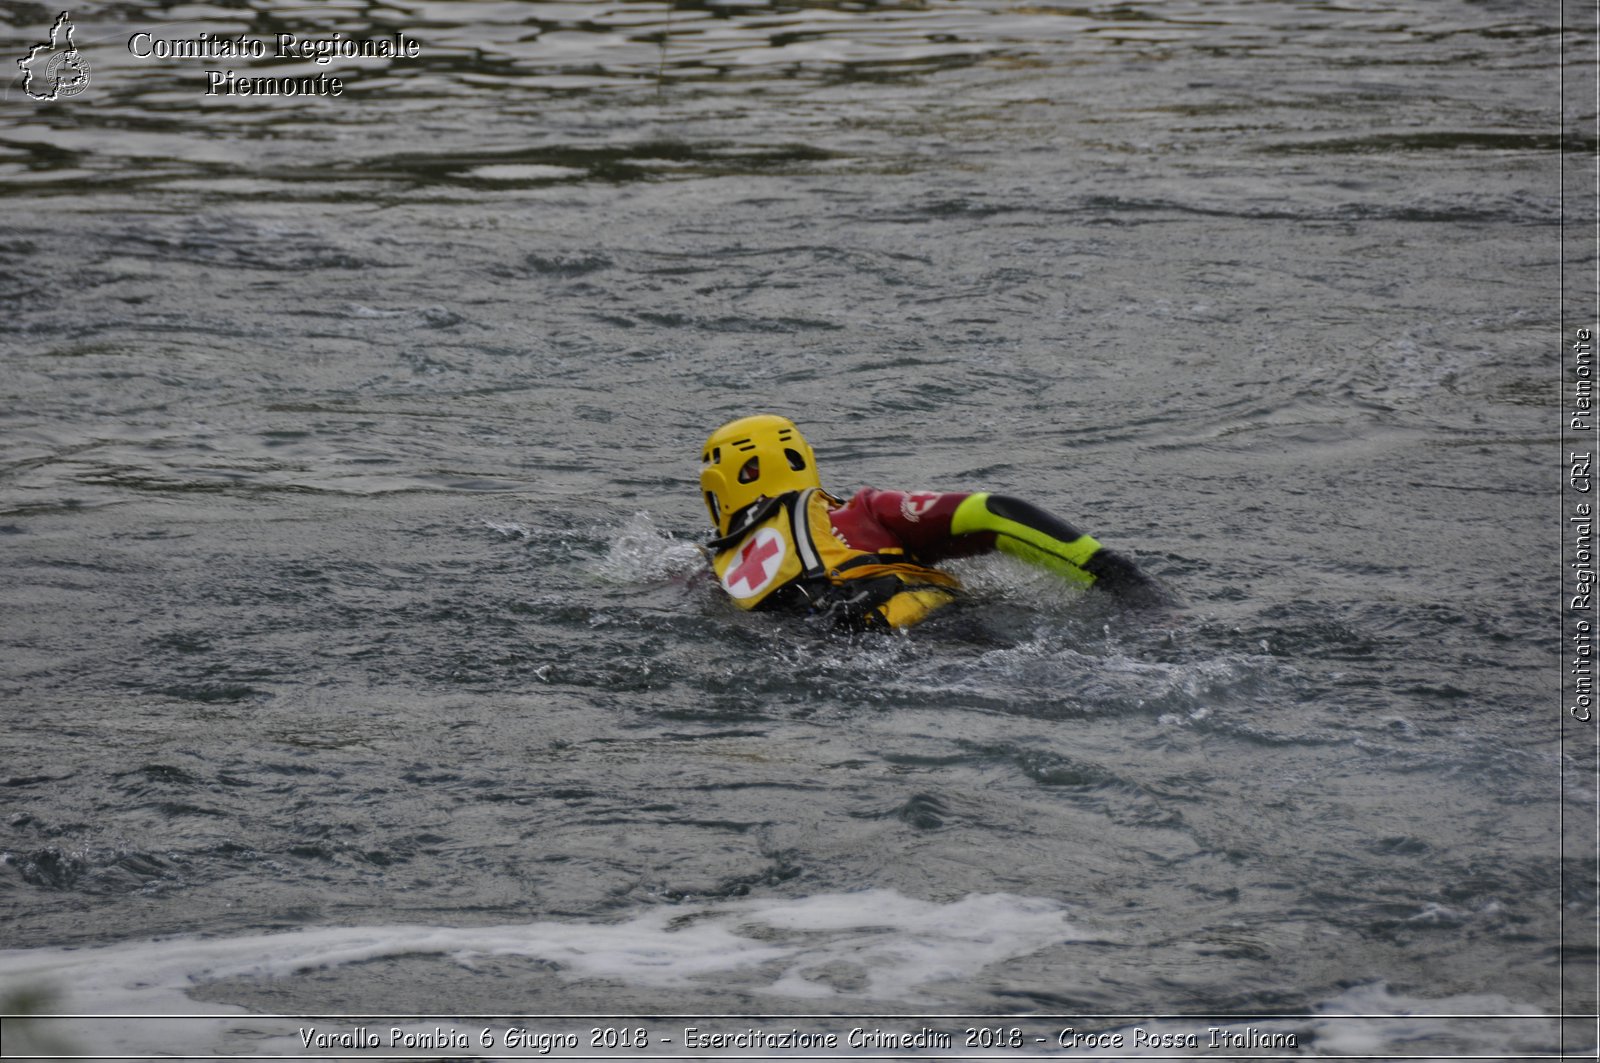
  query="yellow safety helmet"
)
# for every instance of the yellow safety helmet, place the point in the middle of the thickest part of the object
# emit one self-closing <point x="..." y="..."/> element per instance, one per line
<point x="750" y="459"/>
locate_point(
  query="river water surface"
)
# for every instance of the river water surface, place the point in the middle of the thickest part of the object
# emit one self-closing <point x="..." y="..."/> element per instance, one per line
<point x="359" y="661"/>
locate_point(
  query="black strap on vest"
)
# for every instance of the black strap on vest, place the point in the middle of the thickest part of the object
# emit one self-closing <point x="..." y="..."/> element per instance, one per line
<point x="756" y="512"/>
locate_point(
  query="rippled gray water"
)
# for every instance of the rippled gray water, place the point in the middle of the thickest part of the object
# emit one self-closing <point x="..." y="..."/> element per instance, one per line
<point x="347" y="513"/>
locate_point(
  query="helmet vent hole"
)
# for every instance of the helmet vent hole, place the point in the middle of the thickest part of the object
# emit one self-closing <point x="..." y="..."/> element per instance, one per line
<point x="797" y="461"/>
<point x="750" y="471"/>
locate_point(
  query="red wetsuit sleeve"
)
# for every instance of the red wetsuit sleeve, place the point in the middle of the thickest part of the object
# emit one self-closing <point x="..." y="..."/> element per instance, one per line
<point x="920" y="521"/>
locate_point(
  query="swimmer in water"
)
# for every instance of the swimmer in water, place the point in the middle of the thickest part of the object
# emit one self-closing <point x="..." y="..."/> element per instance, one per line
<point x="782" y="541"/>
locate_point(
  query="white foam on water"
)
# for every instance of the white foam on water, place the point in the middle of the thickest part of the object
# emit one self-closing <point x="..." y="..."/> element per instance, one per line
<point x="642" y="551"/>
<point x="895" y="946"/>
<point x="902" y="945"/>
<point x="895" y="951"/>
<point x="510" y="529"/>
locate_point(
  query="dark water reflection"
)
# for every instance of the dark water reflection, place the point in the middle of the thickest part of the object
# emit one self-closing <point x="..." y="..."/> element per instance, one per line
<point x="622" y="91"/>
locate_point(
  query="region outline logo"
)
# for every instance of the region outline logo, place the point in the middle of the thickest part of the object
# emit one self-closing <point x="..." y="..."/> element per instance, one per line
<point x="65" y="73"/>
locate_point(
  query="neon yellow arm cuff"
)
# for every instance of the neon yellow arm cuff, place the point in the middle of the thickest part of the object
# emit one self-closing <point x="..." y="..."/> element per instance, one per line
<point x="1048" y="543"/>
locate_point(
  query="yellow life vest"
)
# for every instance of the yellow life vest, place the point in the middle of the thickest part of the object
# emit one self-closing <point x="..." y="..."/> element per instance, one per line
<point x="788" y="544"/>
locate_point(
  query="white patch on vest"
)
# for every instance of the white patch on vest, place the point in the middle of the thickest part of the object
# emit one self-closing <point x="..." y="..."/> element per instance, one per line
<point x="756" y="564"/>
<point x="913" y="506"/>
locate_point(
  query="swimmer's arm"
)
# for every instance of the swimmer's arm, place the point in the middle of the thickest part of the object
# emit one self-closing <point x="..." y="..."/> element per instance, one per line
<point x="920" y="522"/>
<point x="1039" y="538"/>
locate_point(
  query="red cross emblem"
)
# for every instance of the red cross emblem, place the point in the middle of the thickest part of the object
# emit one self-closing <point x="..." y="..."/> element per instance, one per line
<point x="912" y="507"/>
<point x="758" y="563"/>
